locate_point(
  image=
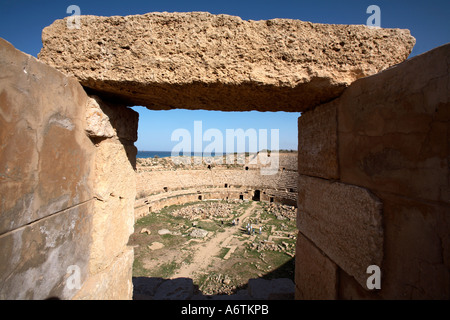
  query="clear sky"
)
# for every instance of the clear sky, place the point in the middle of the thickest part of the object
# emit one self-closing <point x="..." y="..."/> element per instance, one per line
<point x="21" y="23"/>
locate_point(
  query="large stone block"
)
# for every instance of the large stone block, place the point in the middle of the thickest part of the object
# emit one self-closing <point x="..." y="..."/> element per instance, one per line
<point x="317" y="142"/>
<point x="115" y="192"/>
<point x="417" y="249"/>
<point x="393" y="129"/>
<point x="38" y="260"/>
<point x="45" y="156"/>
<point x="112" y="283"/>
<point x="316" y="276"/>
<point x="198" y="60"/>
<point x="343" y="221"/>
<point x="46" y="183"/>
<point x="108" y="120"/>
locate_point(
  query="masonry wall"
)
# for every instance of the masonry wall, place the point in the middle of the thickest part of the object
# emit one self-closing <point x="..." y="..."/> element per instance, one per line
<point x="64" y="218"/>
<point x="163" y="187"/>
<point x="374" y="186"/>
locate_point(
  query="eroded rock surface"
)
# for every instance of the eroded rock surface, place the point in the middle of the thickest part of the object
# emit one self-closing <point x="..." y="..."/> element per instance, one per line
<point x="198" y="60"/>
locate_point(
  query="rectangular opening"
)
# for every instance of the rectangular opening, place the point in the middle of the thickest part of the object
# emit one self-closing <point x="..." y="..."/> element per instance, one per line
<point x="188" y="181"/>
<point x="256" y="195"/>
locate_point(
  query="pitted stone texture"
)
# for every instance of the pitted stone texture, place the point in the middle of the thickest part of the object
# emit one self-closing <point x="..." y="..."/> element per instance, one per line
<point x="198" y="60"/>
<point x="50" y="173"/>
<point x="343" y="221"/>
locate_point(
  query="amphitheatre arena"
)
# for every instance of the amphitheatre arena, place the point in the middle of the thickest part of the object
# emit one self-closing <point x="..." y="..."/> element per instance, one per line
<point x="169" y="183"/>
<point x="226" y="191"/>
<point x="369" y="186"/>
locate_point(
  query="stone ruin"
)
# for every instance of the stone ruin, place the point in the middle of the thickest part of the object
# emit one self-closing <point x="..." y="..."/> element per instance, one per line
<point x="164" y="183"/>
<point x="373" y="160"/>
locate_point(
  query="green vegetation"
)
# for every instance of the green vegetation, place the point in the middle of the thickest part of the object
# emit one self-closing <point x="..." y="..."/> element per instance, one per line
<point x="268" y="255"/>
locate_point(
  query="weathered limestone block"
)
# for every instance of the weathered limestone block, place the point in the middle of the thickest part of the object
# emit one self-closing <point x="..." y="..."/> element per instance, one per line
<point x="46" y="182"/>
<point x="107" y="120"/>
<point x="394" y="132"/>
<point x="199" y="60"/>
<point x="317" y="140"/>
<point x="417" y="249"/>
<point x="114" y="283"/>
<point x="115" y="190"/>
<point x="45" y="156"/>
<point x="50" y="172"/>
<point x="34" y="259"/>
<point x="98" y="124"/>
<point x="316" y="276"/>
<point x="343" y="221"/>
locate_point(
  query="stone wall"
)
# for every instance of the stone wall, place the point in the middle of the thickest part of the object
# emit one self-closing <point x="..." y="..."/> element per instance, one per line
<point x="113" y="129"/>
<point x="374" y="186"/>
<point x="67" y="186"/>
<point x="373" y="164"/>
<point x="159" y="186"/>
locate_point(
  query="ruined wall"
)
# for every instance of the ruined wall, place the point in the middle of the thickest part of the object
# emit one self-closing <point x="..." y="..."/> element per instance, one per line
<point x="162" y="185"/>
<point x="61" y="214"/>
<point x="113" y="129"/>
<point x="46" y="179"/>
<point x="374" y="186"/>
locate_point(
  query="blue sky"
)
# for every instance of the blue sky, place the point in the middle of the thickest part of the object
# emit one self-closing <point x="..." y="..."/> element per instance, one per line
<point x="21" y="23"/>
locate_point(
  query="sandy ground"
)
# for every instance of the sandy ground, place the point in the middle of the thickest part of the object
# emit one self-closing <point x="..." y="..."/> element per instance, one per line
<point x="204" y="254"/>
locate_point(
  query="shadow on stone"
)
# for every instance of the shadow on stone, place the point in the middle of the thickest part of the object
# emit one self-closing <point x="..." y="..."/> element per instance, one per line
<point x="272" y="286"/>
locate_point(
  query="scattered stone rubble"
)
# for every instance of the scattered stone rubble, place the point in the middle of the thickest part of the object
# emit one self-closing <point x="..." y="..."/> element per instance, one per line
<point x="288" y="248"/>
<point x="189" y="163"/>
<point x="207" y="210"/>
<point x="198" y="233"/>
<point x="281" y="211"/>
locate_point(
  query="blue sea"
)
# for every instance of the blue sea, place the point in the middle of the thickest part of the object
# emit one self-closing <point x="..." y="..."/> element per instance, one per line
<point x="163" y="154"/>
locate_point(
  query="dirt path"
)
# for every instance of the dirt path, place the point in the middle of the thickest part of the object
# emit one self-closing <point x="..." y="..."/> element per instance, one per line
<point x="211" y="248"/>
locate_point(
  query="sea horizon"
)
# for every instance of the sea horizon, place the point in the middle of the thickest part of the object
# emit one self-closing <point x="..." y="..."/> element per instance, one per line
<point x="165" y="154"/>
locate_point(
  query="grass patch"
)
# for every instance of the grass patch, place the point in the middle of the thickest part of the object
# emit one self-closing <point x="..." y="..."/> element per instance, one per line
<point x="166" y="270"/>
<point x="223" y="252"/>
<point x="209" y="225"/>
<point x="138" y="268"/>
<point x="246" y="263"/>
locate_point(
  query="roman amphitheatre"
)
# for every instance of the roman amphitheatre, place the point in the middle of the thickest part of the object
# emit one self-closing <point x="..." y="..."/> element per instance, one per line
<point x="225" y="228"/>
<point x="370" y="184"/>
